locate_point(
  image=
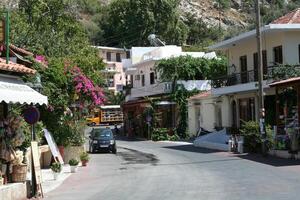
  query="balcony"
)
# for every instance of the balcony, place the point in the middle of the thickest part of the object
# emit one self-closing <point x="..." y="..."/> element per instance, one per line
<point x="235" y="79"/>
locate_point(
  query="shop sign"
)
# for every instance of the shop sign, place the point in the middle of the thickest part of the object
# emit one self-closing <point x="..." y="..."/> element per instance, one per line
<point x="31" y="115"/>
<point x="2" y="31"/>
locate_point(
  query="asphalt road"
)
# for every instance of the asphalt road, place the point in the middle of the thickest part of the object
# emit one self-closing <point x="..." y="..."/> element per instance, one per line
<point x="144" y="170"/>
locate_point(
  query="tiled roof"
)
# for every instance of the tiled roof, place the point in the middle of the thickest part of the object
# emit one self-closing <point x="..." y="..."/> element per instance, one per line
<point x="284" y="82"/>
<point x="290" y="18"/>
<point x="201" y="95"/>
<point x="14" y="67"/>
<point x="20" y="50"/>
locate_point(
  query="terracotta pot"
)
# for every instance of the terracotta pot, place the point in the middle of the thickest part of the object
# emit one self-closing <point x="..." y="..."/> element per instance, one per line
<point x="62" y="151"/>
<point x="84" y="162"/>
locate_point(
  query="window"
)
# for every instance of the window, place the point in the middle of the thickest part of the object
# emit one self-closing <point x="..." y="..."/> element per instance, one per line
<point x="119" y="88"/>
<point x="127" y="54"/>
<point x="264" y="63"/>
<point x="244" y="73"/>
<point x="278" y="55"/>
<point x="137" y="77"/>
<point x="108" y="56"/>
<point x="118" y="57"/>
<point x="143" y="80"/>
<point x="152" y="78"/>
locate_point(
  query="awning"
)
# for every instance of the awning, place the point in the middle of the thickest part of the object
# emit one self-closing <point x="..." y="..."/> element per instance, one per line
<point x="13" y="90"/>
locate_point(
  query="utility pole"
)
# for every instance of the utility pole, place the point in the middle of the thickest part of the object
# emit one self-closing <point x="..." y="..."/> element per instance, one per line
<point x="261" y="105"/>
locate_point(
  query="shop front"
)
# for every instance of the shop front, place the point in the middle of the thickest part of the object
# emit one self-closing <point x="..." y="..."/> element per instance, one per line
<point x="287" y="115"/>
<point x="14" y="93"/>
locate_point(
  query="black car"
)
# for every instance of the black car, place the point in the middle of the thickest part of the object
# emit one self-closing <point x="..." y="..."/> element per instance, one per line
<point x="102" y="139"/>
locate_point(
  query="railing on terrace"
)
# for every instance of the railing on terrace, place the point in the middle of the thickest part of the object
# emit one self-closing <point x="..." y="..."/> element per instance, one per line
<point x="275" y="72"/>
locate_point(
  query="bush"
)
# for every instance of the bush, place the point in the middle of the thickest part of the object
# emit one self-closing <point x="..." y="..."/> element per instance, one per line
<point x="73" y="162"/>
<point x="160" y="134"/>
<point x="56" y="167"/>
<point x="84" y="156"/>
<point x="252" y="137"/>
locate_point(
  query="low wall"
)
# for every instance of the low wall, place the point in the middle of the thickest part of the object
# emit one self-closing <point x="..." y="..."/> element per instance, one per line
<point x="72" y="152"/>
<point x="13" y="191"/>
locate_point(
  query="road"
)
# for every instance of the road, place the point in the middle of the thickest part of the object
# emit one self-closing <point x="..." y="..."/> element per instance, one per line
<point x="144" y="170"/>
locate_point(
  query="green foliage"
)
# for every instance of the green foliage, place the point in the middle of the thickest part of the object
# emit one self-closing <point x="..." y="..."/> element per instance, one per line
<point x="281" y="72"/>
<point x="190" y="68"/>
<point x="115" y="99"/>
<point x="161" y="134"/>
<point x="130" y="22"/>
<point x="252" y="137"/>
<point x="56" y="167"/>
<point x="73" y="162"/>
<point x="84" y="156"/>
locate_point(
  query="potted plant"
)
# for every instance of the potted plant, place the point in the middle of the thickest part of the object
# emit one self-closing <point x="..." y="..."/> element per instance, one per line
<point x="56" y="169"/>
<point x="84" y="157"/>
<point x="73" y="165"/>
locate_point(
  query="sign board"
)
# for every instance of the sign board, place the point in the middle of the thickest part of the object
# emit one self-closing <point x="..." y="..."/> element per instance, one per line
<point x="53" y="147"/>
<point x="36" y="162"/>
<point x="31" y="115"/>
<point x="2" y="31"/>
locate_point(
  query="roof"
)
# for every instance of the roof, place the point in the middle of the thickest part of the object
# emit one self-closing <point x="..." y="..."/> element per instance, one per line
<point x="110" y="107"/>
<point x="14" y="67"/>
<point x="285" y="82"/>
<point x="290" y="21"/>
<point x="292" y="17"/>
<point x="110" y="48"/>
<point x="20" y="50"/>
<point x="201" y="95"/>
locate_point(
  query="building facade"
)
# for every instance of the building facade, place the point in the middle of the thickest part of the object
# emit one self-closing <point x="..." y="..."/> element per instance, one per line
<point x="146" y="91"/>
<point x="236" y="94"/>
<point x="113" y="72"/>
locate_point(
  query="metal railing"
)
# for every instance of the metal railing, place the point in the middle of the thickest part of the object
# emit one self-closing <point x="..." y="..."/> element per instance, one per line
<point x="235" y="79"/>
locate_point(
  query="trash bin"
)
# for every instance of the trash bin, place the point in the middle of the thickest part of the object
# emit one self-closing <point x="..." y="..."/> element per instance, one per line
<point x="241" y="146"/>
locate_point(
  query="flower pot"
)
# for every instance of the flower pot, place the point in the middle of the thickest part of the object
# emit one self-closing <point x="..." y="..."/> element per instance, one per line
<point x="73" y="168"/>
<point x="55" y="175"/>
<point x="84" y="162"/>
<point x="61" y="150"/>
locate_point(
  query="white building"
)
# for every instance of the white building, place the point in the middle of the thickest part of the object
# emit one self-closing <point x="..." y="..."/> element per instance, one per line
<point x="145" y="83"/>
<point x="235" y="95"/>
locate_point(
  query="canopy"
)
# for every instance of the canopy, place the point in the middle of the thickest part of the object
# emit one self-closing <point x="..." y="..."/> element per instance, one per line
<point x="13" y="90"/>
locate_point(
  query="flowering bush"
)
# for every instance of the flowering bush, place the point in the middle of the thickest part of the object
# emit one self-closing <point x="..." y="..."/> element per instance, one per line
<point x="85" y="87"/>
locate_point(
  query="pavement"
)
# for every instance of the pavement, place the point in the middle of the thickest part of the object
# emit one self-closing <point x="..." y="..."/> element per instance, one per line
<point x="146" y="170"/>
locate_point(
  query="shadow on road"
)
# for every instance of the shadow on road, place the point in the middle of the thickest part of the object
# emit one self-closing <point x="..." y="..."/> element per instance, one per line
<point x="270" y="160"/>
<point x="132" y="156"/>
<point x="191" y="148"/>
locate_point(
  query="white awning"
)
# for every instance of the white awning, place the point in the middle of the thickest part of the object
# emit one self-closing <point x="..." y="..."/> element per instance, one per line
<point x="13" y="90"/>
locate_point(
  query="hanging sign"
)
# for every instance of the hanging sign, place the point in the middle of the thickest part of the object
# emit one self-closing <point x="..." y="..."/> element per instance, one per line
<point x="31" y="115"/>
<point x="2" y="31"/>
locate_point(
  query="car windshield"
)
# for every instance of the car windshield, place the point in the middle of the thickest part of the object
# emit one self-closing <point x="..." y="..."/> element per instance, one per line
<point x="102" y="133"/>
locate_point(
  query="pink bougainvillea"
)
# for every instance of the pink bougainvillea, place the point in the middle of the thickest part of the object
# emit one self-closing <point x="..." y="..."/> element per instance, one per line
<point x="85" y="86"/>
<point x="41" y="59"/>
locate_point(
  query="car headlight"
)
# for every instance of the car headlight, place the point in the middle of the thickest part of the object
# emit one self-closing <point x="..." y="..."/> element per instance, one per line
<point x="112" y="141"/>
<point x="95" y="141"/>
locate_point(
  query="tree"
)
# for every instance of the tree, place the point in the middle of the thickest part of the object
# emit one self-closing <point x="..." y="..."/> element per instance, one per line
<point x="130" y="22"/>
<point x="187" y="68"/>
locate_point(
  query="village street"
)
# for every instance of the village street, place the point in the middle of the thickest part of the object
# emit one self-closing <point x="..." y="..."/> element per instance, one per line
<point x="164" y="170"/>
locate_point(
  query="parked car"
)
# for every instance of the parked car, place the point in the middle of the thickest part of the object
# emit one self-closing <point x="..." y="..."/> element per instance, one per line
<point x="102" y="139"/>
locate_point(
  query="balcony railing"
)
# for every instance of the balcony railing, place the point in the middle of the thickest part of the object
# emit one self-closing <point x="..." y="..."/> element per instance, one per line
<point x="274" y="72"/>
<point x="235" y="79"/>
